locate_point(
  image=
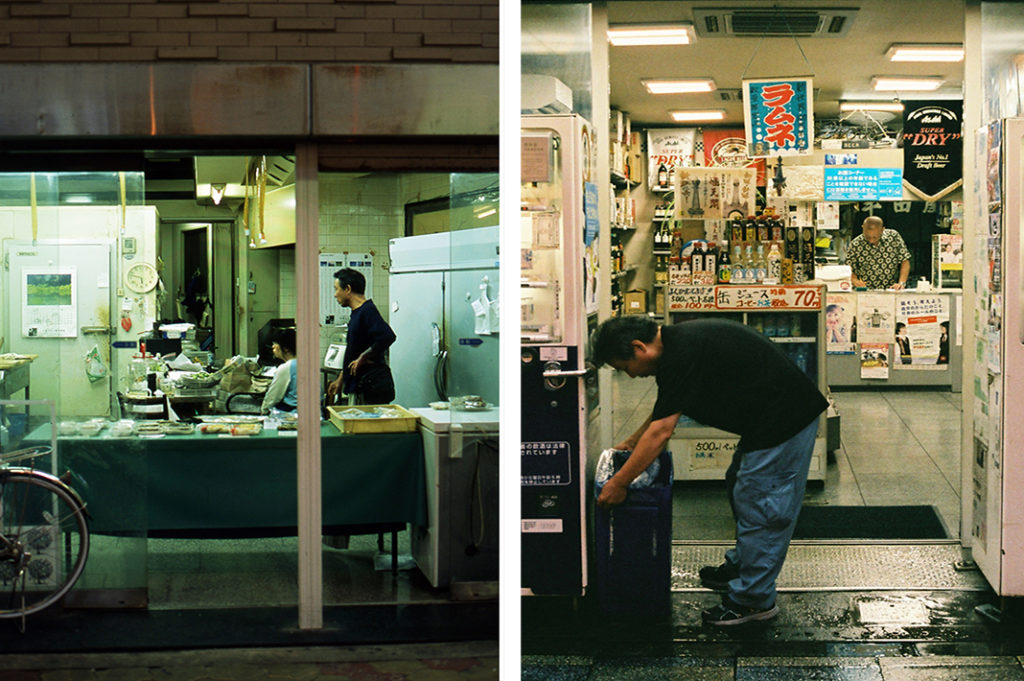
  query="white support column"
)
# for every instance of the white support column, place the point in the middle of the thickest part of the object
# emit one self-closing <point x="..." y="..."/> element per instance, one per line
<point x="311" y="614"/>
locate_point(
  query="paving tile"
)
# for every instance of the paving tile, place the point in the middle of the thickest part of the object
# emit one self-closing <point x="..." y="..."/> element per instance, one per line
<point x="667" y="669"/>
<point x="951" y="668"/>
<point x="808" y="669"/>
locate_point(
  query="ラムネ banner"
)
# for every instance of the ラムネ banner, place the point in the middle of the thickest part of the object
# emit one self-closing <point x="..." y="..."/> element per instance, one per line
<point x="778" y="116"/>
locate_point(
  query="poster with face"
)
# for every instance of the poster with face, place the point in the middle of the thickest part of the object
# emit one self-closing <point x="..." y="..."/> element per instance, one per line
<point x="841" y="324"/>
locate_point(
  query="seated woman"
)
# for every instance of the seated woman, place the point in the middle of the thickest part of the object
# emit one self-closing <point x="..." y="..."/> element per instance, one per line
<point x="283" y="391"/>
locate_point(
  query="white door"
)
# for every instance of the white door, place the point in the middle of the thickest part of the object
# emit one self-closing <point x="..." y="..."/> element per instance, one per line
<point x="58" y="295"/>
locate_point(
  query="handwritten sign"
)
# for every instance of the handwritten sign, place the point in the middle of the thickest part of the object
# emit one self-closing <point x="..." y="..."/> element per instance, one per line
<point x="757" y="297"/>
<point x="708" y="453"/>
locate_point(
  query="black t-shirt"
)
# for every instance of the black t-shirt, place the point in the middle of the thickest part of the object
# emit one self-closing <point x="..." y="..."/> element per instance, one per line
<point x="366" y="329"/>
<point x="723" y="374"/>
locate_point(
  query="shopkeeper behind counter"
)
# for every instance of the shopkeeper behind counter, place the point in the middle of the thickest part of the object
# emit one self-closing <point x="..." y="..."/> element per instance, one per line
<point x="878" y="258"/>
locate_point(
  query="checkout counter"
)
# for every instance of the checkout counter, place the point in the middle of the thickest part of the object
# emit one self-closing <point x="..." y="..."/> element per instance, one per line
<point x="925" y="305"/>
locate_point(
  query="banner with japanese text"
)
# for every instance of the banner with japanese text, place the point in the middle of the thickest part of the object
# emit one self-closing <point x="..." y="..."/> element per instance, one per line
<point x="728" y="149"/>
<point x="715" y="193"/>
<point x="671" y="147"/>
<point x="922" y="331"/>
<point x="933" y="147"/>
<point x="778" y="116"/>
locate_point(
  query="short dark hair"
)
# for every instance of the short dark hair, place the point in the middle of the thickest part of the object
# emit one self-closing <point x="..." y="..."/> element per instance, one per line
<point x="613" y="339"/>
<point x="352" y="278"/>
<point x="286" y="339"/>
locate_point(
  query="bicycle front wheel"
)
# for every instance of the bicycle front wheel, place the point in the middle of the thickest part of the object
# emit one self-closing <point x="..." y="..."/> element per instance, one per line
<point x="44" y="542"/>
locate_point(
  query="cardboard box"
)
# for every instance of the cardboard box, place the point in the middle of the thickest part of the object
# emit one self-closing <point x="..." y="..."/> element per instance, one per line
<point x="635" y="302"/>
<point x="659" y="304"/>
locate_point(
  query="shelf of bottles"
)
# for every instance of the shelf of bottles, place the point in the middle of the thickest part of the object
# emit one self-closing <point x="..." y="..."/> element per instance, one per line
<point x="791" y="315"/>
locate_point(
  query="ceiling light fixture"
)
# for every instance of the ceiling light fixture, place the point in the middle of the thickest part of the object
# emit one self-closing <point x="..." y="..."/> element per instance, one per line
<point x="925" y="53"/>
<point x="694" y="115"/>
<point x="650" y="34"/>
<point x="678" y="87"/>
<point x="217" y="192"/>
<point x="895" y="107"/>
<point x="906" y="83"/>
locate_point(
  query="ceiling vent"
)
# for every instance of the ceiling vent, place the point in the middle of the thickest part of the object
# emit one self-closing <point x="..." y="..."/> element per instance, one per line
<point x="831" y="22"/>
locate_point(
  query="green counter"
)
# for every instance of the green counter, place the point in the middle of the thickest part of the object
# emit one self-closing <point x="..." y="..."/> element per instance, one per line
<point x="210" y="485"/>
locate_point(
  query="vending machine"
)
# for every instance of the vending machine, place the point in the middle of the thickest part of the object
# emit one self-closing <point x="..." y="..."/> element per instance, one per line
<point x="559" y="237"/>
<point x="997" y="469"/>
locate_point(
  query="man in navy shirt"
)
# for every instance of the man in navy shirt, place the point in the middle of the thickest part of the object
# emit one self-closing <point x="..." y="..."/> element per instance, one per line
<point x="726" y="375"/>
<point x="365" y="373"/>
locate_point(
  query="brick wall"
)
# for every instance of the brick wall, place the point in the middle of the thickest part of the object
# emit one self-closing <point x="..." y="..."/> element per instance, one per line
<point x="304" y="31"/>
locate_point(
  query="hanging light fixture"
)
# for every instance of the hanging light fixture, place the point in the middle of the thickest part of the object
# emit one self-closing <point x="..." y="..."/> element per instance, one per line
<point x="217" y="190"/>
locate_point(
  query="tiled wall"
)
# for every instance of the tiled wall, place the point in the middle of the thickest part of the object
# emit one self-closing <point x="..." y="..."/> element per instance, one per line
<point x="227" y="30"/>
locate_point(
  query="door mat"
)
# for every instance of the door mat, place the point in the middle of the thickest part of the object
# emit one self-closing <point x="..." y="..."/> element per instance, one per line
<point x="869" y="522"/>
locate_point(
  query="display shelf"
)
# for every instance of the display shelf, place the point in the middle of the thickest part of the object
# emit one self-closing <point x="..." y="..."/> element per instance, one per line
<point x="661" y="251"/>
<point x="703" y="453"/>
<point x="622" y="273"/>
<point x="526" y="283"/>
<point x="624" y="227"/>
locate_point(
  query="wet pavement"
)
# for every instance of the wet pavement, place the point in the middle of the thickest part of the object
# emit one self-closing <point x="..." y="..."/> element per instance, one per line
<point x="863" y="635"/>
<point x="463" y="661"/>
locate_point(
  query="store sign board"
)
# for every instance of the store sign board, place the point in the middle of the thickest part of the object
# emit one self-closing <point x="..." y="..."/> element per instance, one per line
<point x="778" y="117"/>
<point x="671" y="147"/>
<point x="863" y="184"/>
<point x="759" y="297"/>
<point x="933" y="147"/>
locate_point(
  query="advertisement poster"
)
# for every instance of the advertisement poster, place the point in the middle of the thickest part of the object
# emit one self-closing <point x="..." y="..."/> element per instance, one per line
<point x="874" y="360"/>
<point x="49" y="307"/>
<point x="841" y="324"/>
<point x="803" y="183"/>
<point x="728" y="149"/>
<point x="715" y="193"/>
<point x="672" y="147"/>
<point x="875" y="318"/>
<point x="922" y="332"/>
<point x="933" y="147"/>
<point x="827" y="215"/>
<point x="778" y="117"/>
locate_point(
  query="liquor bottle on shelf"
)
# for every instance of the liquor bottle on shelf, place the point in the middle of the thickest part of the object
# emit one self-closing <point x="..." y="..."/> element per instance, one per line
<point x="724" y="264"/>
<point x="736" y="231"/>
<point x="760" y="264"/>
<point x="763" y="229"/>
<point x="774" y="264"/>
<point x="777" y="229"/>
<point x="807" y="251"/>
<point x="663" y="176"/>
<point x="739" y="271"/>
<point x="750" y="229"/>
<point x="711" y="261"/>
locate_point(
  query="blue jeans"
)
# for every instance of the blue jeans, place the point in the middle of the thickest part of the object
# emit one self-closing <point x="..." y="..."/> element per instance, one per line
<point x="766" y="491"/>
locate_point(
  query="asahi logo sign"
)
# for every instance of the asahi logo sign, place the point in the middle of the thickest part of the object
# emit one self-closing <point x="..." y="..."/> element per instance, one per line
<point x="932" y="148"/>
<point x="730" y="152"/>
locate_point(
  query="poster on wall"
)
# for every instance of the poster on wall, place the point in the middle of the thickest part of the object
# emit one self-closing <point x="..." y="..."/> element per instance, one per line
<point x="841" y="324"/>
<point x="671" y="147"/>
<point x="49" y="302"/>
<point x="728" y="149"/>
<point x="332" y="314"/>
<point x="778" y="117"/>
<point x="875" y="314"/>
<point x="715" y="193"/>
<point x="922" y="332"/>
<point x="933" y="147"/>
<point x="874" y="360"/>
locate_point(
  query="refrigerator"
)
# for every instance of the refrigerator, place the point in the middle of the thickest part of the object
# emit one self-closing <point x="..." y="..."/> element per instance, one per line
<point x="459" y="543"/>
<point x="995" y="474"/>
<point x="444" y="312"/>
<point x="558" y="242"/>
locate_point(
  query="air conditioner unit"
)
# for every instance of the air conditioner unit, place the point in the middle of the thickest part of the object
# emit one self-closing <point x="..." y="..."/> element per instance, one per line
<point x="541" y="94"/>
<point x="818" y="22"/>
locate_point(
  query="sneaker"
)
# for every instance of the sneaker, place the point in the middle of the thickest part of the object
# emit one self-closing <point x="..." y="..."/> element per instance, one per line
<point x="718" y="577"/>
<point x="729" y="613"/>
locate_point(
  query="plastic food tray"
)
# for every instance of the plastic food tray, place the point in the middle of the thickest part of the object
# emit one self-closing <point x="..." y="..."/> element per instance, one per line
<point x="406" y="423"/>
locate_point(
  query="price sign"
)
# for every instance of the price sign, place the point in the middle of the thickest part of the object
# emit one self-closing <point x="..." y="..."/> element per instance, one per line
<point x="798" y="297"/>
<point x="708" y="453"/>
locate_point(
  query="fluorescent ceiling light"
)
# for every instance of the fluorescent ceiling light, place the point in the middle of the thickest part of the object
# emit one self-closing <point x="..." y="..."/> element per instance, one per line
<point x="678" y="87"/>
<point x="907" y="83"/>
<point x="650" y="34"/>
<point x="871" y="106"/>
<point x="486" y="213"/>
<point x="922" y="52"/>
<point x="694" y="115"/>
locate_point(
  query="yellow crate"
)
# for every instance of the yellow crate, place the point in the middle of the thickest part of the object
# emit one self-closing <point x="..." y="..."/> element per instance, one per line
<point x="406" y="423"/>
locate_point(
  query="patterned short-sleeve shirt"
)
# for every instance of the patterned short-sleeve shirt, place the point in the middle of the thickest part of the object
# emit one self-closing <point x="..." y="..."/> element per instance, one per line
<point x="878" y="264"/>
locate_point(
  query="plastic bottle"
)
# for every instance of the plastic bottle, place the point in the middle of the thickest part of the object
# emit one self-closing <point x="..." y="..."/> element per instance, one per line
<point x="774" y="264"/>
<point x="739" y="272"/>
<point x="760" y="264"/>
